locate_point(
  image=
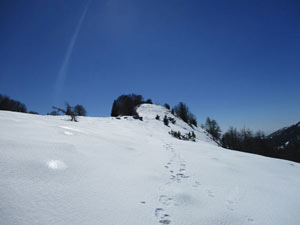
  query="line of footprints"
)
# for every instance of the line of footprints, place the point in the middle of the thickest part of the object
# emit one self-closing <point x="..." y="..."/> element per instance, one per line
<point x="176" y="176"/>
<point x="177" y="169"/>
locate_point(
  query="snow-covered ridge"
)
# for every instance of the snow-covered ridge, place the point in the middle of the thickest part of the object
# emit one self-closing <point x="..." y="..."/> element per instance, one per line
<point x="130" y="172"/>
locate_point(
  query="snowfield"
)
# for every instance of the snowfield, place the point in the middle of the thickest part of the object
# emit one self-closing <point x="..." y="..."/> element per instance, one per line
<point x="108" y="171"/>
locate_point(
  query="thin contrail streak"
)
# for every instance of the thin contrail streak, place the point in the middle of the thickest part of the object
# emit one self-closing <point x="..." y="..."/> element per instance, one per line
<point x="62" y="74"/>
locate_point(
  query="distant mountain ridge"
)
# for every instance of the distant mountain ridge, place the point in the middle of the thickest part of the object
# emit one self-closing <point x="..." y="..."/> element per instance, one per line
<point x="286" y="142"/>
<point x="286" y="134"/>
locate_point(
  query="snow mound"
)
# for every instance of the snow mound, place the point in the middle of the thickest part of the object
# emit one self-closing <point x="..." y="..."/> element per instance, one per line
<point x="130" y="172"/>
<point x="150" y="111"/>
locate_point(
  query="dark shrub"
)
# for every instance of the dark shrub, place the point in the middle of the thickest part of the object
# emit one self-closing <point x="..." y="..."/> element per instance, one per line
<point x="79" y="110"/>
<point x="32" y="112"/>
<point x="166" y="121"/>
<point x="149" y="101"/>
<point x="167" y="106"/>
<point x="193" y="120"/>
<point x="157" y="117"/>
<point x="137" y="117"/>
<point x="193" y="134"/>
<point x="172" y="120"/>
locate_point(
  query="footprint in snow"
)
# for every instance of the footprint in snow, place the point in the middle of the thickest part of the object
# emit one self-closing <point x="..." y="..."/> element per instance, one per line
<point x="158" y="211"/>
<point x="165" y="200"/>
<point x="165" y="221"/>
<point x="210" y="193"/>
<point x="250" y="220"/>
<point x="181" y="175"/>
<point x="163" y="217"/>
<point x="230" y="205"/>
<point x="196" y="184"/>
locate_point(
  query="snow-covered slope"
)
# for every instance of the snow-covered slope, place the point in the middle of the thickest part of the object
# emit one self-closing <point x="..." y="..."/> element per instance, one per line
<point x="149" y="113"/>
<point x="129" y="172"/>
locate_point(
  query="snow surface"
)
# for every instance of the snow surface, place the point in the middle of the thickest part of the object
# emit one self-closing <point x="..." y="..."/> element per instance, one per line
<point x="130" y="172"/>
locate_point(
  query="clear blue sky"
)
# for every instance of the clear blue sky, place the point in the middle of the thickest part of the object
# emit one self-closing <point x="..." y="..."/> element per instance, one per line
<point x="235" y="61"/>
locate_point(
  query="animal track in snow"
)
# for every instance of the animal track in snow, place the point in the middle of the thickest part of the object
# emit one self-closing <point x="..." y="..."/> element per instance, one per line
<point x="165" y="200"/>
<point x="196" y="184"/>
<point x="163" y="217"/>
<point x="165" y="221"/>
<point x="158" y="211"/>
<point x="178" y="177"/>
<point x="230" y="205"/>
<point x="210" y="193"/>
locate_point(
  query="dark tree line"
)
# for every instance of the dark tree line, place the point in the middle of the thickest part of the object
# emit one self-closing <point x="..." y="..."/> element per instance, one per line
<point x="11" y="105"/>
<point x="245" y="141"/>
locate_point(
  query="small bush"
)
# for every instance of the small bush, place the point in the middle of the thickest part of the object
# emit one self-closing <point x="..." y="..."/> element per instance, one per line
<point x="149" y="101"/>
<point x="32" y="112"/>
<point x="166" y="121"/>
<point x="167" y="106"/>
<point x="172" y="120"/>
<point x="157" y="117"/>
<point x="137" y="117"/>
